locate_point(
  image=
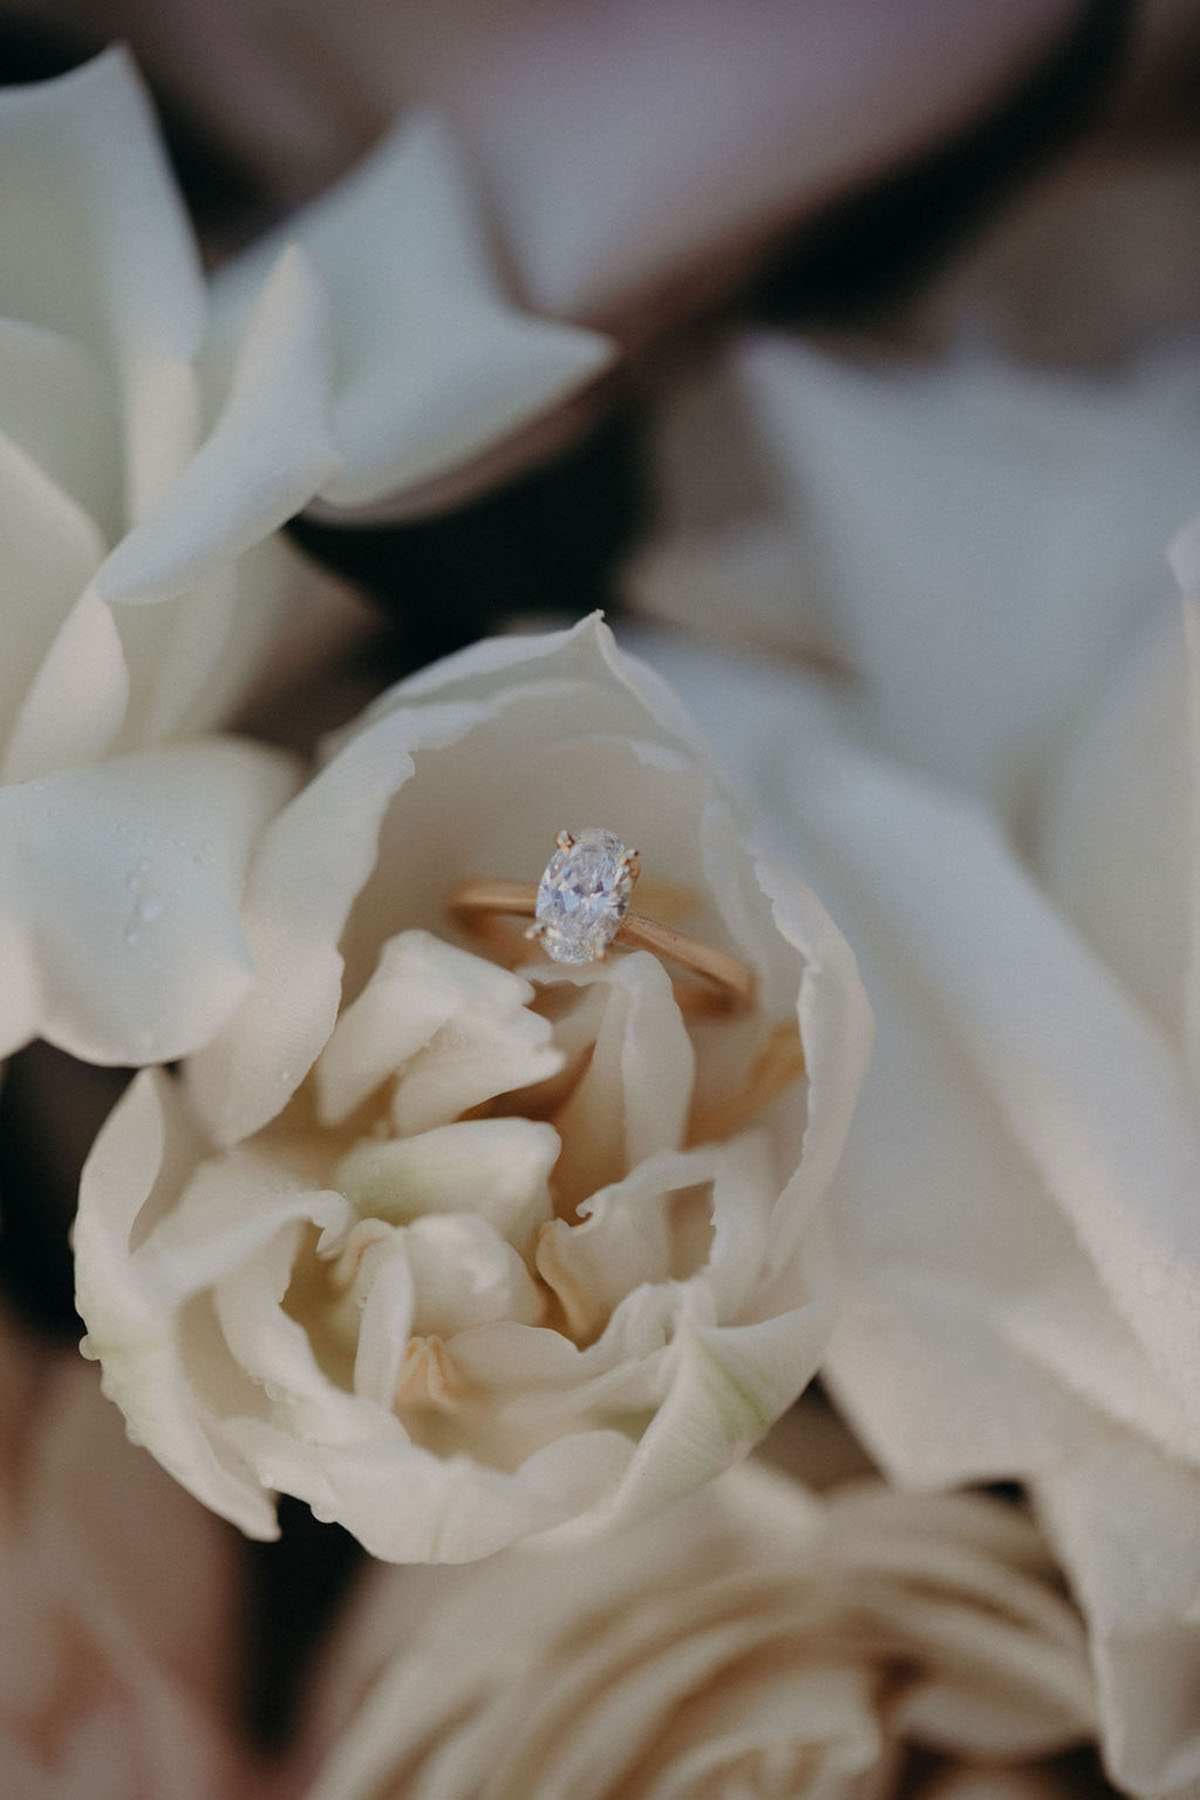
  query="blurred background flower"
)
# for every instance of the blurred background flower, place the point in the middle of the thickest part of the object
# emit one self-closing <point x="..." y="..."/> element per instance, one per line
<point x="123" y="1621"/>
<point x="757" y="1640"/>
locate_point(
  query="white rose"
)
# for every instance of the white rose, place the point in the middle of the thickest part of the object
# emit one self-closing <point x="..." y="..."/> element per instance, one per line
<point x="636" y="157"/>
<point x="437" y="370"/>
<point x="903" y="520"/>
<point x="119" y="1601"/>
<point x="149" y="449"/>
<point x="752" y="1640"/>
<point x="1019" y="1204"/>
<point x="448" y="1251"/>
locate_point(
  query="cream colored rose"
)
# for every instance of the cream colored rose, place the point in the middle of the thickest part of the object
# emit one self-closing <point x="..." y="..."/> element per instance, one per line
<point x="119" y="1601"/>
<point x="752" y="1640"/>
<point x="451" y="1252"/>
<point x="151" y="442"/>
<point x="1018" y="1207"/>
<point x="971" y="542"/>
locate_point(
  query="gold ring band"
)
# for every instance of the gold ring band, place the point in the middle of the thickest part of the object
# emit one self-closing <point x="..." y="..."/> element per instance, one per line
<point x="730" y="985"/>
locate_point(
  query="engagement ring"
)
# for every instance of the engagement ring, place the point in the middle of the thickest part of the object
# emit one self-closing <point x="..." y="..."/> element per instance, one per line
<point x="581" y="909"/>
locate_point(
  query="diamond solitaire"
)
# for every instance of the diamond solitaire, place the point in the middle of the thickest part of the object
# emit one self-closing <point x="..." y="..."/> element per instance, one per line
<point x="581" y="904"/>
<point x="583" y="895"/>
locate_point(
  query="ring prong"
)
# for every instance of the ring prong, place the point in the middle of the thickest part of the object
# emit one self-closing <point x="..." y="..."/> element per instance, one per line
<point x="535" y="931"/>
<point x="564" y="840"/>
<point x="631" y="862"/>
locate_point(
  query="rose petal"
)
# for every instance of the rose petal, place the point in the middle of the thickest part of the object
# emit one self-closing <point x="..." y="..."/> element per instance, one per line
<point x="173" y="651"/>
<point x="1071" y="1330"/>
<point x="1086" y="1088"/>
<point x="1124" y="1519"/>
<point x="634" y="1095"/>
<point x="267" y="453"/>
<point x="146" y="1137"/>
<point x="120" y="269"/>
<point x="384" y="1292"/>
<point x="275" y="1350"/>
<point x="728" y="1384"/>
<point x="464" y="1274"/>
<point x="51" y="548"/>
<point x="123" y="882"/>
<point x="59" y="407"/>
<point x="586" y="652"/>
<point x="314" y="857"/>
<point x="1099" y="470"/>
<point x="454" y="1511"/>
<point x="623" y="1239"/>
<point x="495" y="1169"/>
<point x="1107" y="843"/>
<point x="434" y="364"/>
<point x="74" y="707"/>
<point x="455" y="1029"/>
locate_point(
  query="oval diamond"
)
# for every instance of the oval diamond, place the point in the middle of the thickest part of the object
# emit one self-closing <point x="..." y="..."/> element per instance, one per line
<point x="583" y="896"/>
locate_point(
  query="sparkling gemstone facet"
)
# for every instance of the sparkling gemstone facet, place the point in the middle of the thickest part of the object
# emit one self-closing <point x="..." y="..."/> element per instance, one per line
<point x="583" y="897"/>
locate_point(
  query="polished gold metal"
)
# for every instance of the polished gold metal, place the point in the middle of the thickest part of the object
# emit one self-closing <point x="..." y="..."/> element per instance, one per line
<point x="721" y="982"/>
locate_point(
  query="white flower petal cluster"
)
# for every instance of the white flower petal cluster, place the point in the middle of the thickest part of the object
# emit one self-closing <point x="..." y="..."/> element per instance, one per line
<point x="863" y="515"/>
<point x="1019" y="1204"/>
<point x="150" y="445"/>
<point x="435" y="363"/>
<point x="455" y="1253"/>
<point x="753" y="1641"/>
